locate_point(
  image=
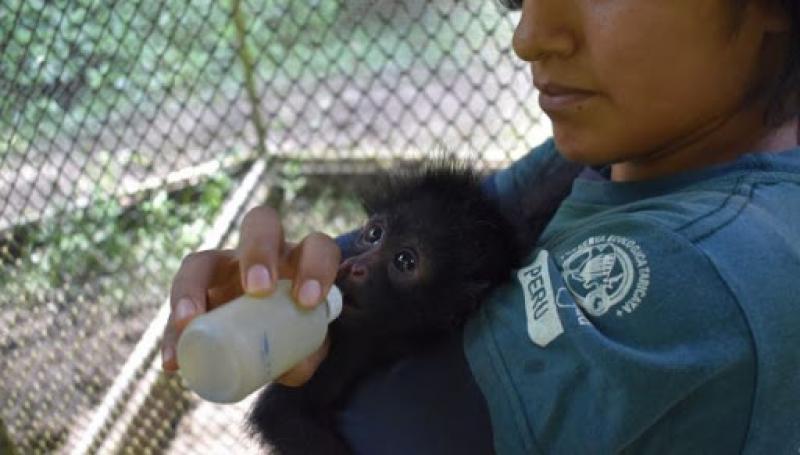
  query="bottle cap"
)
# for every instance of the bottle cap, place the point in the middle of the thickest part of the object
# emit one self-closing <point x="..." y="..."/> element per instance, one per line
<point x="217" y="381"/>
<point x="334" y="303"/>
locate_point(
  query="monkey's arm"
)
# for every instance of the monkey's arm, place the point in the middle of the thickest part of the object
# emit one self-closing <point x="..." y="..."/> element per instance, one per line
<point x="287" y="424"/>
<point x="300" y="420"/>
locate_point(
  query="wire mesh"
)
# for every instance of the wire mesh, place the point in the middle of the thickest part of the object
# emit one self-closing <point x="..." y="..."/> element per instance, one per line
<point x="125" y="127"/>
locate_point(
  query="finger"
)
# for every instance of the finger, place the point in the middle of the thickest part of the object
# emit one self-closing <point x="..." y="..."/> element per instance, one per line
<point x="188" y="294"/>
<point x="315" y="262"/>
<point x="260" y="247"/>
<point x="302" y="372"/>
<point x="222" y="294"/>
<point x="169" y="359"/>
<point x="199" y="272"/>
<point x="226" y="284"/>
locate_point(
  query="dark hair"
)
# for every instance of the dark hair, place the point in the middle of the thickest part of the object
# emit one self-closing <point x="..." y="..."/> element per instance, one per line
<point x="781" y="90"/>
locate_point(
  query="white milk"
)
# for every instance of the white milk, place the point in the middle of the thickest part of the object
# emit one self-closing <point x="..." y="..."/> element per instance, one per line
<point x="233" y="350"/>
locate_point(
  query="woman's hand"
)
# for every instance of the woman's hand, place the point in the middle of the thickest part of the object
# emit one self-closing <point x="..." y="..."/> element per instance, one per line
<point x="211" y="278"/>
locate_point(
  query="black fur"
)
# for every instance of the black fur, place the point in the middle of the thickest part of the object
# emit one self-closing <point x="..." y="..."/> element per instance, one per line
<point x="464" y="247"/>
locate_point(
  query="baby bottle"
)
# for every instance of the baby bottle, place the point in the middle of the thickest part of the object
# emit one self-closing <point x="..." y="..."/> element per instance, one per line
<point x="231" y="351"/>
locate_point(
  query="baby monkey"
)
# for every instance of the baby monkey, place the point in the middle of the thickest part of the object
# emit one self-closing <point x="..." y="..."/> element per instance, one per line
<point x="432" y="249"/>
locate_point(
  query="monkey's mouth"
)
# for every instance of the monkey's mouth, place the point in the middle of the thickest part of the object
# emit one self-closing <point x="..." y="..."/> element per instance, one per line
<point x="348" y="301"/>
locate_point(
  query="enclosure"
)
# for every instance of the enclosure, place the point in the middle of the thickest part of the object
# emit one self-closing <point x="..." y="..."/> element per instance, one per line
<point x="135" y="132"/>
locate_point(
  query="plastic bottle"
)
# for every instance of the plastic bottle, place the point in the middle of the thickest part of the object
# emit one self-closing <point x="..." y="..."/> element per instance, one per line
<point x="231" y="351"/>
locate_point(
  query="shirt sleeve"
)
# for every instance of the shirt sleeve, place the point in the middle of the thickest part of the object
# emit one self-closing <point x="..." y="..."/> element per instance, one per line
<point x="533" y="187"/>
<point x="618" y="338"/>
<point x="510" y="182"/>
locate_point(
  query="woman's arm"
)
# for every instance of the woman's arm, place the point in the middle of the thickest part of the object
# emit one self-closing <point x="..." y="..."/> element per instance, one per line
<point x="532" y="188"/>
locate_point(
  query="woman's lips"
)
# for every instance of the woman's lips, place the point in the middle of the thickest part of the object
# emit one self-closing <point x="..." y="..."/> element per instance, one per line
<point x="553" y="97"/>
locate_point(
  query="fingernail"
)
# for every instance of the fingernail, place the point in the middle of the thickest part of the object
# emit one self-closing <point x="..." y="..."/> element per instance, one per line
<point x="258" y="279"/>
<point x="184" y="309"/>
<point x="309" y="293"/>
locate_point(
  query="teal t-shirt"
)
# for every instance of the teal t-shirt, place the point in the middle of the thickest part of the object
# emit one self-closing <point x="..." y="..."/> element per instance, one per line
<point x="658" y="316"/>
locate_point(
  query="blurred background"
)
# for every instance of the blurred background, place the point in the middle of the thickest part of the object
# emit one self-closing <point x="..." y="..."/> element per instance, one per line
<point x="134" y="132"/>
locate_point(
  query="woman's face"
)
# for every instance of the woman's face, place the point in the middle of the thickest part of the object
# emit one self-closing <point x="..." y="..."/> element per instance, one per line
<point x="640" y="80"/>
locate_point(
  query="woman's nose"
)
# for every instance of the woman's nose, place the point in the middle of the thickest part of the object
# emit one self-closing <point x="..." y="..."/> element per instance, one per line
<point x="546" y="29"/>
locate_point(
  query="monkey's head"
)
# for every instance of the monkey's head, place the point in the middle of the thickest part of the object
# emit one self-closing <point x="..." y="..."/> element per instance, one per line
<point x="433" y="247"/>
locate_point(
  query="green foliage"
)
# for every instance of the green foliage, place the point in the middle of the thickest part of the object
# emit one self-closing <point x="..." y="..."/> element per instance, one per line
<point x="66" y="61"/>
<point x="106" y="239"/>
<point x="76" y="67"/>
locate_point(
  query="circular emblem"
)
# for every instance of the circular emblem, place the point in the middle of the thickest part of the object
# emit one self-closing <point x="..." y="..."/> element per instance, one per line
<point x="605" y="271"/>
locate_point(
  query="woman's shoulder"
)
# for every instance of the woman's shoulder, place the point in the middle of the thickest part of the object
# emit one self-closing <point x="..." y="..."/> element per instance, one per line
<point x="721" y="212"/>
<point x="725" y="241"/>
<point x="740" y="229"/>
<point x="685" y="295"/>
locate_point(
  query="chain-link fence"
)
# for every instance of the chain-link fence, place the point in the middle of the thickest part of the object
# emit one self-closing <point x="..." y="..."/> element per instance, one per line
<point x="133" y="132"/>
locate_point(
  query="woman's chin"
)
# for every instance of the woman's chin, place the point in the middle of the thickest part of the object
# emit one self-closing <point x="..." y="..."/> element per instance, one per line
<point x="581" y="146"/>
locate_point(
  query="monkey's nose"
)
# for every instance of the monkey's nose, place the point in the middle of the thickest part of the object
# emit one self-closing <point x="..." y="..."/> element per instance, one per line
<point x="351" y="269"/>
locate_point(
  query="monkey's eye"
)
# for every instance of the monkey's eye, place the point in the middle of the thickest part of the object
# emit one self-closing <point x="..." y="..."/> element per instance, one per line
<point x="373" y="234"/>
<point x="405" y="261"/>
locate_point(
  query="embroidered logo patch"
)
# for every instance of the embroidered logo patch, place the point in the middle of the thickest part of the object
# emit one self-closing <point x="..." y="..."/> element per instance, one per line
<point x="544" y="324"/>
<point x="607" y="271"/>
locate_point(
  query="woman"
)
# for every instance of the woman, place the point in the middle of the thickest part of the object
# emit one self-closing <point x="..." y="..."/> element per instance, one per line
<point x="659" y="310"/>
